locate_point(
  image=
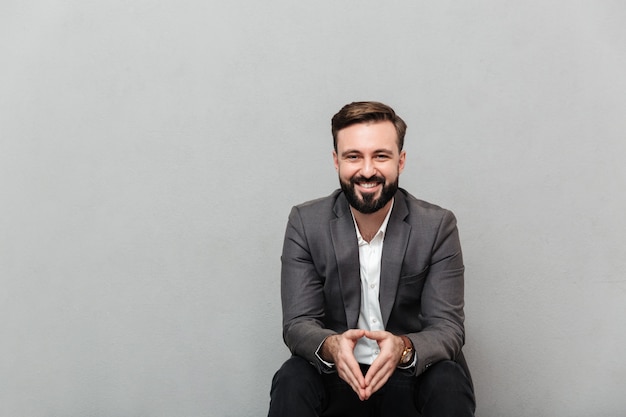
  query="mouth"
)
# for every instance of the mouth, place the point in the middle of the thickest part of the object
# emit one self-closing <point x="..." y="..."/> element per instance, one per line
<point x="368" y="185"/>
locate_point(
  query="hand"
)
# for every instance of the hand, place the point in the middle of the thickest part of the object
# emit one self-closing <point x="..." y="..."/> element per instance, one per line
<point x="391" y="348"/>
<point x="339" y="349"/>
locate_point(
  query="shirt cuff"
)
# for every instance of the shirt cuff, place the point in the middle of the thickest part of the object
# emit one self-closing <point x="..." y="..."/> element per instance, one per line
<point x="328" y="365"/>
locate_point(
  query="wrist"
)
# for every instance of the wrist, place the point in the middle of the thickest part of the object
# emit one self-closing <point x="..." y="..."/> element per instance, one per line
<point x="328" y="348"/>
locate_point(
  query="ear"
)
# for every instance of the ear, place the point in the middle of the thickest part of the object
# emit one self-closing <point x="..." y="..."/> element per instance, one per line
<point x="336" y="160"/>
<point x="401" y="161"/>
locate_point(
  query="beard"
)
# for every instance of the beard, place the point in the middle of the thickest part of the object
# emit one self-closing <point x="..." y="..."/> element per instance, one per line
<point x="367" y="203"/>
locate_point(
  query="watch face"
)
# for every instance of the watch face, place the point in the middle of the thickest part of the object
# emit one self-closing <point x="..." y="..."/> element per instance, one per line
<point x="406" y="355"/>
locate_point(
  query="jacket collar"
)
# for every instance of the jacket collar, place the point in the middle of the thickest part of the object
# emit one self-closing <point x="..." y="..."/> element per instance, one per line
<point x="343" y="235"/>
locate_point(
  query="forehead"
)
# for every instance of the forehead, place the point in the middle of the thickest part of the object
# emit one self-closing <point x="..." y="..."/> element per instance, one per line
<point x="368" y="136"/>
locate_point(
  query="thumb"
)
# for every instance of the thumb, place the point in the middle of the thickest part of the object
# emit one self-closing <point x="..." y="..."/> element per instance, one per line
<point x="354" y="334"/>
<point x="375" y="335"/>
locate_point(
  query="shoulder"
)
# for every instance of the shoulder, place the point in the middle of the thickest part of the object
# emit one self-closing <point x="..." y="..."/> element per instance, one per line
<point x="420" y="212"/>
<point x="320" y="203"/>
<point x="312" y="220"/>
<point x="321" y="208"/>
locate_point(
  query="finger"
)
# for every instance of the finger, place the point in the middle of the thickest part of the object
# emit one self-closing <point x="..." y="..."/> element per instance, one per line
<point x="372" y="371"/>
<point x="354" y="334"/>
<point x="351" y="369"/>
<point x="356" y="381"/>
<point x="373" y="375"/>
<point x="377" y="379"/>
<point x="350" y="366"/>
<point x="357" y="374"/>
<point x="375" y="334"/>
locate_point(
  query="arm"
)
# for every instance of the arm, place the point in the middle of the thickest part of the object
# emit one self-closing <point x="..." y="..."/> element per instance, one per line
<point x="304" y="304"/>
<point x="442" y="300"/>
<point x="302" y="294"/>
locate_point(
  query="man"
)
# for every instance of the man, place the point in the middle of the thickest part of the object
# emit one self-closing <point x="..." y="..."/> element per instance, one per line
<point x="372" y="289"/>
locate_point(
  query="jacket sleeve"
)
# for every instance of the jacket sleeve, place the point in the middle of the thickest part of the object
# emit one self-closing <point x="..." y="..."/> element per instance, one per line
<point x="302" y="294"/>
<point x="442" y="301"/>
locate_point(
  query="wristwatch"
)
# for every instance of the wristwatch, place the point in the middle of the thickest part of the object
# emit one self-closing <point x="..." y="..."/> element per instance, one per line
<point x="407" y="353"/>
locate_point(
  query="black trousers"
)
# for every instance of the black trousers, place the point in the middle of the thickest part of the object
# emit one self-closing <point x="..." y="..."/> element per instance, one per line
<point x="444" y="390"/>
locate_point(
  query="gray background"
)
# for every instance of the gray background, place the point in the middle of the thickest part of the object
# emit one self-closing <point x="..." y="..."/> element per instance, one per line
<point x="150" y="152"/>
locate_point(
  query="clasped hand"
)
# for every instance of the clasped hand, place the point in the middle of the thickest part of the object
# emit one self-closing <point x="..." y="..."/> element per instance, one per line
<point x="340" y="349"/>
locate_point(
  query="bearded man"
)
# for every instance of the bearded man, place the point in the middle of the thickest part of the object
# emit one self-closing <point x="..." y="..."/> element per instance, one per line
<point x="372" y="289"/>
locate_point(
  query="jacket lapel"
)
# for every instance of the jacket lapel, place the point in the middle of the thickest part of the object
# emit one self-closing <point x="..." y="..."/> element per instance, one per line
<point x="394" y="248"/>
<point x="344" y="239"/>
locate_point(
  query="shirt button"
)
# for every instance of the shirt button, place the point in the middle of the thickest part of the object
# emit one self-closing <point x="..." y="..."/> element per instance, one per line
<point x="372" y="286"/>
<point x="374" y="321"/>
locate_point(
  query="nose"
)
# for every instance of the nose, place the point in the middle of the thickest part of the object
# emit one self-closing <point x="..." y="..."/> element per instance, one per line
<point x="368" y="169"/>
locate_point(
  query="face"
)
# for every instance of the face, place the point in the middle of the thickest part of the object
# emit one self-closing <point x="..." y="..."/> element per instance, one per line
<point x="369" y="163"/>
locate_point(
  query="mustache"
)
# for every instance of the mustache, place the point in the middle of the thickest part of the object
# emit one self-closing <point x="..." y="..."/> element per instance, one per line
<point x="374" y="178"/>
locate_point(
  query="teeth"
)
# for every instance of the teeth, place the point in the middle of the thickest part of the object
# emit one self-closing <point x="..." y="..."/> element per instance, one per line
<point x="369" y="185"/>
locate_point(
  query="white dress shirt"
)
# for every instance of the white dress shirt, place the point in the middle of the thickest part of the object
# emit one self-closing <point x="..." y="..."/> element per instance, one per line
<point x="370" y="317"/>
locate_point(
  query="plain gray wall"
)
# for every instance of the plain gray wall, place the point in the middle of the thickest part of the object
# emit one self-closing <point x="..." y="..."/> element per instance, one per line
<point x="150" y="152"/>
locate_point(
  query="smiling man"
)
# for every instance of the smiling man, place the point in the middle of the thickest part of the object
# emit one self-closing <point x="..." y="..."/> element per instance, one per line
<point x="372" y="289"/>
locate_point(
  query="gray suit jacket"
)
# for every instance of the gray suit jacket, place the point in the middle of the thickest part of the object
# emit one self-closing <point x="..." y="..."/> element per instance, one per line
<point x="421" y="284"/>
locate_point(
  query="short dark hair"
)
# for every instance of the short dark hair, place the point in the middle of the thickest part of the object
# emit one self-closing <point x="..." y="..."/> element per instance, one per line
<point x="367" y="112"/>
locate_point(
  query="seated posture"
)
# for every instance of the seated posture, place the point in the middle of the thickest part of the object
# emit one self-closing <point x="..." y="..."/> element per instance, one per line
<point x="372" y="289"/>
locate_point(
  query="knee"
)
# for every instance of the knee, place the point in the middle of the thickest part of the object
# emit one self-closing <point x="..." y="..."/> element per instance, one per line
<point x="446" y="375"/>
<point x="446" y="386"/>
<point x="296" y="375"/>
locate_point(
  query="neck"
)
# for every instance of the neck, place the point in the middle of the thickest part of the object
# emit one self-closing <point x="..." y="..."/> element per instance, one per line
<point x="370" y="223"/>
